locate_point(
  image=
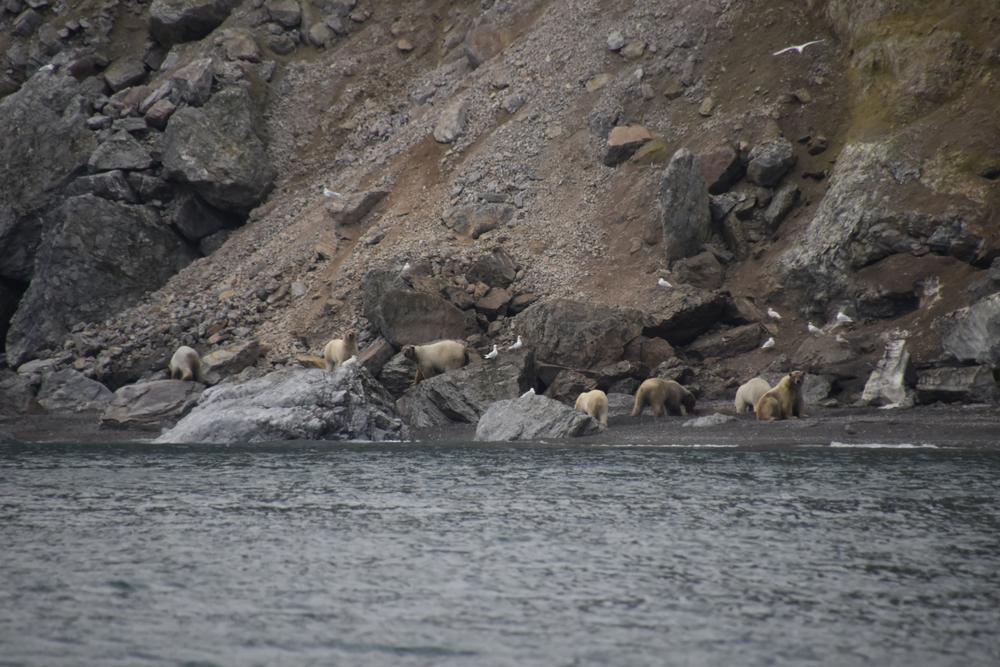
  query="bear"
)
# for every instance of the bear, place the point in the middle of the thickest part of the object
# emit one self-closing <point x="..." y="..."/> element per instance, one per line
<point x="663" y="396"/>
<point x="437" y="357"/>
<point x="186" y="365"/>
<point x="339" y="350"/>
<point x="749" y="393"/>
<point x="595" y="404"/>
<point x="784" y="401"/>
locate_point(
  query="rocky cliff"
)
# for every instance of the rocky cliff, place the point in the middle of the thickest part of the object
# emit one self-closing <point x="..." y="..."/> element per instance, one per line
<point x="209" y="172"/>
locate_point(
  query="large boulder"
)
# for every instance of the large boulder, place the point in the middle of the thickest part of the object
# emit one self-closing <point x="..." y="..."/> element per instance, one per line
<point x="67" y="390"/>
<point x="152" y="405"/>
<point x="532" y="417"/>
<point x="219" y="150"/>
<point x="496" y="269"/>
<point x="308" y="404"/>
<point x="17" y="394"/>
<point x="44" y="142"/>
<point x="682" y="314"/>
<point x="887" y="385"/>
<point x="770" y="161"/>
<point x="174" y="21"/>
<point x="99" y="257"/>
<point x="968" y="384"/>
<point x="576" y="334"/>
<point x="406" y="316"/>
<point x="973" y="334"/>
<point x="684" y="208"/>
<point x="463" y="395"/>
<point x="222" y="363"/>
<point x="728" y="342"/>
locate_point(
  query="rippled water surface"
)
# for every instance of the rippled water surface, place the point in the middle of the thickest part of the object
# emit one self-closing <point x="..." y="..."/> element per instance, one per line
<point x="422" y="555"/>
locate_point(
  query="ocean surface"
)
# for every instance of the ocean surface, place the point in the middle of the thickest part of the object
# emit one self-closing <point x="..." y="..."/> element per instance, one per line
<point x="325" y="554"/>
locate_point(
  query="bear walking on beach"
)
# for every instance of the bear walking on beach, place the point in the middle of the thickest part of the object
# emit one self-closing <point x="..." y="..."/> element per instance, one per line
<point x="595" y="404"/>
<point x="663" y="396"/>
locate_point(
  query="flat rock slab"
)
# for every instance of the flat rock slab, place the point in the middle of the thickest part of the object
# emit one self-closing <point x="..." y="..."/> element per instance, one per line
<point x="151" y="405"/>
<point x="532" y="417"/>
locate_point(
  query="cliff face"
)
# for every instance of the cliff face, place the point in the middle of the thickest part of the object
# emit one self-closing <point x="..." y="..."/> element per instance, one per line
<point x="505" y="153"/>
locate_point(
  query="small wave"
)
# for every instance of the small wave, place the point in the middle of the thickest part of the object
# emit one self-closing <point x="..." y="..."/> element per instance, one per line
<point x="882" y="445"/>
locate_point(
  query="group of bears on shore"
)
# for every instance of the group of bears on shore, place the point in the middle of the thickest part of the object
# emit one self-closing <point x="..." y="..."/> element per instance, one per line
<point x="783" y="401"/>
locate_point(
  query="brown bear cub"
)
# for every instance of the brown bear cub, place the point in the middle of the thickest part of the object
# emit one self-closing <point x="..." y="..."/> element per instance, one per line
<point x="784" y="401"/>
<point x="663" y="396"/>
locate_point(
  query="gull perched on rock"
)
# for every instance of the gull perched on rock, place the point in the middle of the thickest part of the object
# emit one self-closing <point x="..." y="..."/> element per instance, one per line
<point x="798" y="48"/>
<point x="773" y="314"/>
<point x="493" y="353"/>
<point x="330" y="194"/>
<point x="530" y="392"/>
<point x="663" y="283"/>
<point x="768" y="344"/>
<point x="843" y="341"/>
<point x="843" y="318"/>
<point x="517" y="344"/>
<point x="813" y="329"/>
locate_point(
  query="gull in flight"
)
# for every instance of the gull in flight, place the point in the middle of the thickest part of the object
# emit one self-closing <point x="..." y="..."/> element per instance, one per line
<point x="773" y="314"/>
<point x="663" y="283"/>
<point x="530" y="392"/>
<point x="813" y="329"/>
<point x="517" y="344"/>
<point x="842" y="318"/>
<point x="330" y="194"/>
<point x="799" y="48"/>
<point x="492" y="354"/>
<point x="768" y="344"/>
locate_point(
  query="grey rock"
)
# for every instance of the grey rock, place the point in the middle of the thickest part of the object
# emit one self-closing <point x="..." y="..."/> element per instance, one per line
<point x="411" y="317"/>
<point x="451" y="123"/>
<point x="482" y="43"/>
<point x="887" y="385"/>
<point x="192" y="84"/>
<point x="27" y="23"/>
<point x="352" y="209"/>
<point x="685" y="313"/>
<point x="195" y="219"/>
<point x="320" y="35"/>
<point x="218" y="149"/>
<point x="474" y="221"/>
<point x="112" y="185"/>
<point x="531" y="418"/>
<point x="496" y="269"/>
<point x="175" y="21"/>
<point x="282" y="44"/>
<point x="231" y="360"/>
<point x="151" y="405"/>
<point x="397" y="374"/>
<point x="213" y="242"/>
<point x="239" y="44"/>
<point x="310" y="404"/>
<point x="568" y="384"/>
<point x="513" y="102"/>
<point x="123" y="73"/>
<point x="783" y="201"/>
<point x="716" y="419"/>
<point x="17" y="394"/>
<point x="770" y="161"/>
<point x="44" y="141"/>
<point x="159" y="113"/>
<point x="99" y="257"/>
<point x="286" y="13"/>
<point x="728" y="342"/>
<point x="684" y="209"/>
<point x="702" y="270"/>
<point x="968" y="384"/>
<point x="623" y="141"/>
<point x="616" y="40"/>
<point x="120" y="151"/>
<point x="67" y="390"/>
<point x="462" y="395"/>
<point x="972" y="334"/>
<point x="577" y="334"/>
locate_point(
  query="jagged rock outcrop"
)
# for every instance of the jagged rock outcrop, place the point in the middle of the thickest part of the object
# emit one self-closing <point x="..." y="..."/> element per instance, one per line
<point x="44" y="142"/>
<point x="97" y="257"/>
<point x="310" y="404"/>
<point x="684" y="209"/>
<point x="407" y="316"/>
<point x="530" y="418"/>
<point x="218" y="149"/>
<point x="888" y="383"/>
<point x="968" y="384"/>
<point x="150" y="406"/>
<point x="684" y="314"/>
<point x="463" y="395"/>
<point x="577" y="334"/>
<point x="973" y="334"/>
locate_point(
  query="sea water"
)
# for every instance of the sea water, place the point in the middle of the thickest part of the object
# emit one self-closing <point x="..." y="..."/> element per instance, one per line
<point x="326" y="554"/>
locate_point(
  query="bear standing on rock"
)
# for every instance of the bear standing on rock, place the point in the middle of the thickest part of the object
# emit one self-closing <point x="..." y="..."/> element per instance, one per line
<point x="663" y="396"/>
<point x="784" y="401"/>
<point x="339" y="350"/>
<point x="186" y="365"/>
<point x="437" y="357"/>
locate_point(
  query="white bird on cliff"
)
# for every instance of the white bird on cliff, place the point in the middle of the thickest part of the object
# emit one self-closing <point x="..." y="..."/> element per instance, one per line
<point x="517" y="344"/>
<point x="768" y="344"/>
<point x="773" y="314"/>
<point x="406" y="267"/>
<point x="330" y="194"/>
<point x="493" y="353"/>
<point x="530" y="392"/>
<point x="797" y="48"/>
<point x="47" y="68"/>
<point x="843" y="341"/>
<point x="813" y="329"/>
<point x="663" y="283"/>
<point x="843" y="318"/>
